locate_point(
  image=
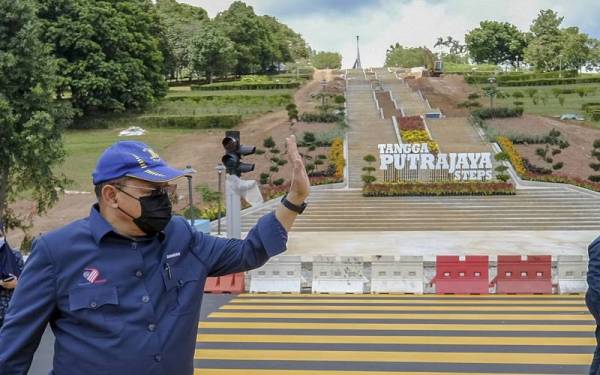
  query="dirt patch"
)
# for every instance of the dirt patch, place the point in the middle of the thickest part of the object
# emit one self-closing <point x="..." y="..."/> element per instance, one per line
<point x="202" y="151"/>
<point x="576" y="158"/>
<point x="444" y="93"/>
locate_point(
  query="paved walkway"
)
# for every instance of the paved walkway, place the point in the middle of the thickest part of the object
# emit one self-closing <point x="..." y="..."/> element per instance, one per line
<point x="396" y="334"/>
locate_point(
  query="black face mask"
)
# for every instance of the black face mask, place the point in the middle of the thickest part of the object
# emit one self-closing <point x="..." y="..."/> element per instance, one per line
<point x="156" y="213"/>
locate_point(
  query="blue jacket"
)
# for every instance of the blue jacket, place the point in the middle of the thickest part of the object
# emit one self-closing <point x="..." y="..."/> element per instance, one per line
<point x="120" y="306"/>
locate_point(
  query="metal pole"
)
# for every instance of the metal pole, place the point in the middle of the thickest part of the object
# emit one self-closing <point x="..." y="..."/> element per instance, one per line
<point x="189" y="178"/>
<point x="219" y="208"/>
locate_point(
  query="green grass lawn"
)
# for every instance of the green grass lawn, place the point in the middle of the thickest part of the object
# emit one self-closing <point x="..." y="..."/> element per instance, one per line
<point x="552" y="107"/>
<point x="83" y="147"/>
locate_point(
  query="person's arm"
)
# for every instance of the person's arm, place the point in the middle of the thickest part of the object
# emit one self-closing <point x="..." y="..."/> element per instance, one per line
<point x="29" y="310"/>
<point x="268" y="238"/>
<point x="299" y="189"/>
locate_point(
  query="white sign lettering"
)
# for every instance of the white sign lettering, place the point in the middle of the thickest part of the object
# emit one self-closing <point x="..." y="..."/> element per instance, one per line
<point x="416" y="156"/>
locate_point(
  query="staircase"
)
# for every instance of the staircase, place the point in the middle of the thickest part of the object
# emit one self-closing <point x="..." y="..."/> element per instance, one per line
<point x="367" y="128"/>
<point x="561" y="208"/>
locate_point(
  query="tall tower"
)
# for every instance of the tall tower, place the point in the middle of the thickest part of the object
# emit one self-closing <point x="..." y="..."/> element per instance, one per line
<point x="357" y="64"/>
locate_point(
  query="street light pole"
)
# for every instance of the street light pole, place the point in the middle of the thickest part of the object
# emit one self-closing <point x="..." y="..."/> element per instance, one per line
<point x="189" y="171"/>
<point x="220" y="169"/>
<point x="559" y="66"/>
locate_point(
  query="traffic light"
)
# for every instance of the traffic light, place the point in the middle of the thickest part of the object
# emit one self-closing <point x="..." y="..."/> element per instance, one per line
<point x="234" y="153"/>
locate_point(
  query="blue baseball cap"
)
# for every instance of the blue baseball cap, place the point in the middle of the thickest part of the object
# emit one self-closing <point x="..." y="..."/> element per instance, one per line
<point x="133" y="159"/>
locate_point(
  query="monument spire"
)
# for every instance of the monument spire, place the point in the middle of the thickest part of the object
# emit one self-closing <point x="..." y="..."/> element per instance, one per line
<point x="357" y="64"/>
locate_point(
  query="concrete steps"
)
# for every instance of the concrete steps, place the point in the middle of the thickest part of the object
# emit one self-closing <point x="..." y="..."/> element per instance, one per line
<point x="532" y="209"/>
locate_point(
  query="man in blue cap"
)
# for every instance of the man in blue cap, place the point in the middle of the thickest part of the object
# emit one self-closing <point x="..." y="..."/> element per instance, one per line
<point x="122" y="288"/>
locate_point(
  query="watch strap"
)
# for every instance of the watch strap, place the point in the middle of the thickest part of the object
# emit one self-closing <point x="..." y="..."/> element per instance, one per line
<point x="290" y="206"/>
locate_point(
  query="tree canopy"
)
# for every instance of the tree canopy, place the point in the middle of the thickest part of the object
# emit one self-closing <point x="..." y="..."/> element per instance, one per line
<point x="496" y="42"/>
<point x="326" y="60"/>
<point x="408" y="57"/>
<point x="108" y="52"/>
<point x="31" y="121"/>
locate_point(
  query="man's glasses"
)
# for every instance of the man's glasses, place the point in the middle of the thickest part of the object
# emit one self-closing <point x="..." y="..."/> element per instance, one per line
<point x="169" y="190"/>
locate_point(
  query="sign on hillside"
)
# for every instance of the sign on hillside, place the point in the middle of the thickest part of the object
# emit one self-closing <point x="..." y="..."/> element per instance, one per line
<point x="467" y="166"/>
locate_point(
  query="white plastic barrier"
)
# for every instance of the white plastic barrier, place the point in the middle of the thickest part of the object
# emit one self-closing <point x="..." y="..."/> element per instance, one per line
<point x="280" y="274"/>
<point x="338" y="275"/>
<point x="391" y="275"/>
<point x="572" y="271"/>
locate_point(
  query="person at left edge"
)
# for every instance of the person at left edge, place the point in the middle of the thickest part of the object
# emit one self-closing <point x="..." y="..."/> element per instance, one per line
<point x="122" y="288"/>
<point x="11" y="266"/>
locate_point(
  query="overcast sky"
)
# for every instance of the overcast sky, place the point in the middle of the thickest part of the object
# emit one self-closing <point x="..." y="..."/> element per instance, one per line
<point x="332" y="25"/>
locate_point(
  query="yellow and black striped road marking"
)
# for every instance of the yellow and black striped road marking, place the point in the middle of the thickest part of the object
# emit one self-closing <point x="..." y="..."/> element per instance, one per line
<point x="303" y="334"/>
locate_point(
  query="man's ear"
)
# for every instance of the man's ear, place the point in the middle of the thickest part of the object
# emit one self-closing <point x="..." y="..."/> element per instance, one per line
<point x="109" y="196"/>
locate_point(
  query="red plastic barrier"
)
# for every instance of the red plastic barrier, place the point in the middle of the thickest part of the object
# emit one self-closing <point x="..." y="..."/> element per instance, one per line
<point x="456" y="276"/>
<point x="530" y="275"/>
<point x="234" y="283"/>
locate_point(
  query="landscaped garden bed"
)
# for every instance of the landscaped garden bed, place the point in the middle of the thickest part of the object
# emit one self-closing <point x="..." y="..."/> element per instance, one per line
<point x="437" y="189"/>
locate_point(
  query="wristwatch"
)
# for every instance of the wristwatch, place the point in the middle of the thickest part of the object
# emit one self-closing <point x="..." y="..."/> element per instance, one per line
<point x="290" y="206"/>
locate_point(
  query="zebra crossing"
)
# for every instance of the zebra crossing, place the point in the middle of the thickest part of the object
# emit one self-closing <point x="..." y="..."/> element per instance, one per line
<point x="303" y="334"/>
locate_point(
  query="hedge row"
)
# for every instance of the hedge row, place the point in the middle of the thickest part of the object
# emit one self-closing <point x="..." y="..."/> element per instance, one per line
<point x="319" y="117"/>
<point x="246" y="86"/>
<point x="438" y="189"/>
<point x="505" y="77"/>
<point x="517" y="162"/>
<point x="497" y="112"/>
<point x="279" y="99"/>
<point x="586" y="106"/>
<point x="189" y="122"/>
<point x="551" y="81"/>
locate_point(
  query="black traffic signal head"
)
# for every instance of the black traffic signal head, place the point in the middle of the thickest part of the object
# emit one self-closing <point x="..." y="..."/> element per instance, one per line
<point x="234" y="152"/>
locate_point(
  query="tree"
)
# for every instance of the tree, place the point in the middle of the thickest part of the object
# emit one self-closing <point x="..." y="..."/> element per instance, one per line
<point x="544" y="48"/>
<point x="211" y="52"/>
<point x="31" y="121"/>
<point x="252" y="41"/>
<point x="288" y="46"/>
<point x="327" y="60"/>
<point x="576" y="49"/>
<point x="456" y="51"/>
<point x="397" y="55"/>
<point x="108" y="52"/>
<point x="496" y="43"/>
<point x="368" y="178"/>
<point x="181" y="22"/>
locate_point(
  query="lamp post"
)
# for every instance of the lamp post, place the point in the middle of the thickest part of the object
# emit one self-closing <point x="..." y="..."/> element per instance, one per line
<point x="560" y="66"/>
<point x="220" y="169"/>
<point x="492" y="92"/>
<point x="323" y="85"/>
<point x="189" y="171"/>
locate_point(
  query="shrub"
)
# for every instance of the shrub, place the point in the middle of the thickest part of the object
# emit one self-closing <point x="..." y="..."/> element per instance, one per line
<point x="246" y="86"/>
<point x="420" y="136"/>
<point x="410" y="123"/>
<point x="497" y="112"/>
<point x="327" y="117"/>
<point x="518" y="103"/>
<point x="438" y="189"/>
<point x="336" y="156"/>
<point x="561" y="100"/>
<point x="513" y="155"/>
<point x="518" y="95"/>
<point x="474" y="96"/>
<point x="340" y="99"/>
<point x="551" y="81"/>
<point x="531" y="92"/>
<point x="586" y="106"/>
<point x="189" y="122"/>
